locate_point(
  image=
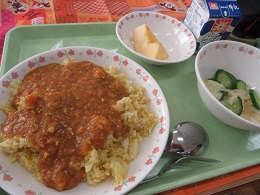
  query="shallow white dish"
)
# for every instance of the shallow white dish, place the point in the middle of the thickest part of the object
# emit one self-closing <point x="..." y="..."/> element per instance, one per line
<point x="17" y="180"/>
<point x="177" y="39"/>
<point x="241" y="60"/>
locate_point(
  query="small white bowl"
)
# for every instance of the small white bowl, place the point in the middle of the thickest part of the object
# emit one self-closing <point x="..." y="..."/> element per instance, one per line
<point x="240" y="59"/>
<point x="176" y="38"/>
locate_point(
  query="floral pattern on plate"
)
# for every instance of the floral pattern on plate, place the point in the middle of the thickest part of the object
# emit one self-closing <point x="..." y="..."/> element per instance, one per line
<point x="240" y="49"/>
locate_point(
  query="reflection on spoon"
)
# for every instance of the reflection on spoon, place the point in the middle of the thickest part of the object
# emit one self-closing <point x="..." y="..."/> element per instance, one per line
<point x="188" y="139"/>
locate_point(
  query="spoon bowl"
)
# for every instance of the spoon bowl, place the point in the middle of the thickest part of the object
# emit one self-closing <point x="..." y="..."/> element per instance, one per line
<point x="188" y="139"/>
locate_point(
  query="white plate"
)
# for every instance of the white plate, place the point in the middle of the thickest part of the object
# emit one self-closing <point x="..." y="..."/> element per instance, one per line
<point x="17" y="180"/>
<point x="177" y="39"/>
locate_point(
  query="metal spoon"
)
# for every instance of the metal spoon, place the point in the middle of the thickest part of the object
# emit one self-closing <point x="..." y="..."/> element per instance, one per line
<point x="188" y="139"/>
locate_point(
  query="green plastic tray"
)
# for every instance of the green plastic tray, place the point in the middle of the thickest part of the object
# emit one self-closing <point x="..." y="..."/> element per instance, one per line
<point x="236" y="148"/>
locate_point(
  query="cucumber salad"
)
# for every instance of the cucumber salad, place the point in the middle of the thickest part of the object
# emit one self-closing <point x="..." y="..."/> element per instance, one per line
<point x="235" y="94"/>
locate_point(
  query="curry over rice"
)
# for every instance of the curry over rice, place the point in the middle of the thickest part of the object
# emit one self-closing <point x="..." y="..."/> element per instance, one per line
<point x="65" y="112"/>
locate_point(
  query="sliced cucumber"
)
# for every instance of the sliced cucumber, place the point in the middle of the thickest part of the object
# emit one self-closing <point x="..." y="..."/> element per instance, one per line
<point x="225" y="78"/>
<point x="236" y="106"/>
<point x="233" y="78"/>
<point x="255" y="98"/>
<point x="224" y="96"/>
<point x="240" y="84"/>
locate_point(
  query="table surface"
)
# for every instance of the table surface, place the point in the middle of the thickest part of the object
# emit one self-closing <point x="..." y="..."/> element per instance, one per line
<point x="55" y="12"/>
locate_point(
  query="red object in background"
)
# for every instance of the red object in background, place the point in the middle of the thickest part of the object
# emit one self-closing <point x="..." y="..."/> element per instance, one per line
<point x="64" y="11"/>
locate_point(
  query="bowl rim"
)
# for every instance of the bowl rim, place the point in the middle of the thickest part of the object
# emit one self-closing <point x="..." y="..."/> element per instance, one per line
<point x="209" y="94"/>
<point x="161" y="62"/>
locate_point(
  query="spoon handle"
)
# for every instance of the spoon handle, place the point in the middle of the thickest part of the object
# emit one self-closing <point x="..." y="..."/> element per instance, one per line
<point x="173" y="162"/>
<point x="165" y="168"/>
<point x="210" y="160"/>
